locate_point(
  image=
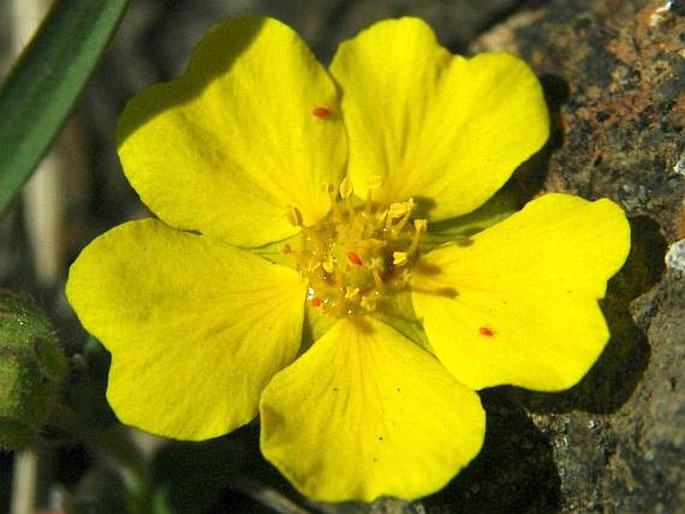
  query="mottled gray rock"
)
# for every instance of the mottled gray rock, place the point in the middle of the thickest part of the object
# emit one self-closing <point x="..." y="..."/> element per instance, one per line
<point x="616" y="71"/>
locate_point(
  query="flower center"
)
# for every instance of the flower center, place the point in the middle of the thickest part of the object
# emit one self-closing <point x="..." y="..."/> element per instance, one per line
<point x="360" y="254"/>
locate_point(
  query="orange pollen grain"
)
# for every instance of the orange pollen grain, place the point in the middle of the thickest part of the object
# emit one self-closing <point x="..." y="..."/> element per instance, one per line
<point x="485" y="331"/>
<point x="354" y="258"/>
<point x="316" y="301"/>
<point x="321" y="112"/>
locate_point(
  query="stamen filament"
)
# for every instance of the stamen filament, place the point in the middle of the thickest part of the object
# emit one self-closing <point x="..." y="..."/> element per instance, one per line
<point x="359" y="254"/>
<point x="421" y="226"/>
<point x="409" y="205"/>
<point x="378" y="282"/>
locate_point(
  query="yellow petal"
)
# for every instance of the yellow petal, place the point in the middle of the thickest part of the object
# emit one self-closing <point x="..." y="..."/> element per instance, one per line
<point x="518" y="305"/>
<point x="366" y="413"/>
<point x="196" y="328"/>
<point x="440" y="128"/>
<point x="232" y="146"/>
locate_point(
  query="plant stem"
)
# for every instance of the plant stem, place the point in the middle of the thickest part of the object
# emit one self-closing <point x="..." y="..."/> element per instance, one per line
<point x="24" y="482"/>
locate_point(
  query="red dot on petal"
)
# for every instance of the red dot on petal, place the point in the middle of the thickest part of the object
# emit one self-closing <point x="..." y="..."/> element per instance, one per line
<point x="354" y="258"/>
<point x="485" y="331"/>
<point x="321" y="112"/>
<point x="316" y="301"/>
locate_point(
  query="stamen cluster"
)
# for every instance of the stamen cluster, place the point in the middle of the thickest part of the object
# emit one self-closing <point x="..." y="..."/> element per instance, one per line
<point x="360" y="253"/>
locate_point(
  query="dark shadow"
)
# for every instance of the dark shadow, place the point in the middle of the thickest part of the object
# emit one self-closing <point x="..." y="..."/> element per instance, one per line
<point x="557" y="93"/>
<point x="219" y="476"/>
<point x="556" y="90"/>
<point x="504" y="15"/>
<point x="205" y="65"/>
<point x="614" y="377"/>
<point x="529" y="178"/>
<point x="197" y="475"/>
<point x="6" y="467"/>
<point x="423" y="207"/>
<point x="514" y="472"/>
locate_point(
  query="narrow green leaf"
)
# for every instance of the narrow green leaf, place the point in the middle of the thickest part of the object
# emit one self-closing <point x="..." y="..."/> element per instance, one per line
<point x="45" y="83"/>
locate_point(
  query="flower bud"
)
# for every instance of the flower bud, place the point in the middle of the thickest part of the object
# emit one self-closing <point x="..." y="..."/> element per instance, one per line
<point x="32" y="366"/>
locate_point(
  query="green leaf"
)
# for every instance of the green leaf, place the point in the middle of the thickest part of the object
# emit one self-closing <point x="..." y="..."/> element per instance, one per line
<point x="45" y="83"/>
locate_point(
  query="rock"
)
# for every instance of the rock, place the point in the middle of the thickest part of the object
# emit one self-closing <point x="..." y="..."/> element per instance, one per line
<point x="615" y="73"/>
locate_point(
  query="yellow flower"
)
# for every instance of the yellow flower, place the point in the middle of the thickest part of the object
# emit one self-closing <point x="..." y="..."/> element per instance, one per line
<point x="257" y="150"/>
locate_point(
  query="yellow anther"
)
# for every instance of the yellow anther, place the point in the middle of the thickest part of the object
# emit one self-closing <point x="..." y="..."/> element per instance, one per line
<point x="399" y="258"/>
<point x="373" y="183"/>
<point x="328" y="265"/>
<point x="401" y="211"/>
<point x="376" y="263"/>
<point x="398" y="209"/>
<point x="346" y="188"/>
<point x="361" y="253"/>
<point x="294" y="216"/>
<point x="351" y="292"/>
